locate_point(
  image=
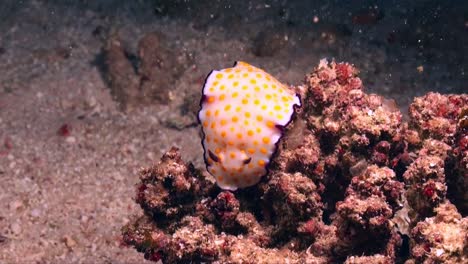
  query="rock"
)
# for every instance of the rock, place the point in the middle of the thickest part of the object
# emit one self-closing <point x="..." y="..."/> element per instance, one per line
<point x="36" y="212"/>
<point x="16" y="228"/>
<point x="69" y="242"/>
<point x="90" y="102"/>
<point x="269" y="42"/>
<point x="84" y="219"/>
<point x="15" y="205"/>
<point x="70" y="140"/>
<point x="159" y="67"/>
<point x="120" y="74"/>
<point x="152" y="75"/>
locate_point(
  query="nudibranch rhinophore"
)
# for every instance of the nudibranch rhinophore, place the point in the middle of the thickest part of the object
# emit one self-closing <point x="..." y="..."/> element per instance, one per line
<point x="243" y="114"/>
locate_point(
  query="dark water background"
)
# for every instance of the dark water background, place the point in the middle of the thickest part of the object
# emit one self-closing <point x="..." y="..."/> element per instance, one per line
<point x="428" y="33"/>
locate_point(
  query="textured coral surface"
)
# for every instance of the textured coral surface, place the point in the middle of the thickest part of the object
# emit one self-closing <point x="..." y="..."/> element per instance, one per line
<point x="350" y="183"/>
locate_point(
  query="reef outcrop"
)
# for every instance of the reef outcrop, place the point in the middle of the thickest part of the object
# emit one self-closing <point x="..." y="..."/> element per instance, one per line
<point x="350" y="182"/>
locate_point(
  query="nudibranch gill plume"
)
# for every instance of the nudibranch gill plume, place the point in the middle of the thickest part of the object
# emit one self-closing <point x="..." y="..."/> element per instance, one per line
<point x="243" y="114"/>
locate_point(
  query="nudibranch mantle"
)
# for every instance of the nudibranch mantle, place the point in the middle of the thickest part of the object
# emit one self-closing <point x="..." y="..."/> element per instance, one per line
<point x="243" y="114"/>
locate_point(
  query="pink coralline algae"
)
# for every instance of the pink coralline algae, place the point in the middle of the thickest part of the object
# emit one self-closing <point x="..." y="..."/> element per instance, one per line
<point x="440" y="239"/>
<point x="435" y="115"/>
<point x="458" y="164"/>
<point x="350" y="183"/>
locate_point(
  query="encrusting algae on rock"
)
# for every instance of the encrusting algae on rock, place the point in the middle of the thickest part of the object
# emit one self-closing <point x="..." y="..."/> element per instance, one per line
<point x="243" y="114"/>
<point x="350" y="182"/>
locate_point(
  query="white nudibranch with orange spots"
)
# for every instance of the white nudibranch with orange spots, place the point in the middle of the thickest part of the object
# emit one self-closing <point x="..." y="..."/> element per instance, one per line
<point x="243" y="113"/>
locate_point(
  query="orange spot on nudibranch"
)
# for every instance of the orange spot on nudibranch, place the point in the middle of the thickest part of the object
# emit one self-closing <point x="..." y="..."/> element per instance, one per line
<point x="270" y="124"/>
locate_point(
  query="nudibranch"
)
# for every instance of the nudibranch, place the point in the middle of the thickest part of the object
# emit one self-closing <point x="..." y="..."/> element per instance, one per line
<point x="243" y="114"/>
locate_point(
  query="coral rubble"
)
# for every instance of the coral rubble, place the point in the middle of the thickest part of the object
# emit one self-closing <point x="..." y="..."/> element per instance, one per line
<point x="348" y="181"/>
<point x="442" y="238"/>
